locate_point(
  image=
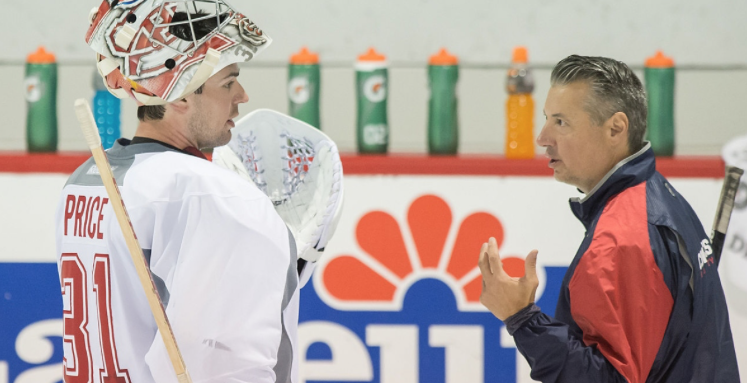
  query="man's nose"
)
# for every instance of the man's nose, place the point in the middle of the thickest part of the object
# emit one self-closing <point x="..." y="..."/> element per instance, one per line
<point x="243" y="96"/>
<point x="543" y="138"/>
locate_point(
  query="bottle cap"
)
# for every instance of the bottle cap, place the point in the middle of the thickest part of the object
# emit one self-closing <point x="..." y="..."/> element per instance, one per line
<point x="304" y="57"/>
<point x="520" y="56"/>
<point x="659" y="61"/>
<point x="372" y="55"/>
<point x="443" y="58"/>
<point x="41" y="56"/>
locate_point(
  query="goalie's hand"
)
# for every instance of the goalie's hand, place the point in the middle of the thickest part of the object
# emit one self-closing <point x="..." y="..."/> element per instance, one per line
<point x="502" y="294"/>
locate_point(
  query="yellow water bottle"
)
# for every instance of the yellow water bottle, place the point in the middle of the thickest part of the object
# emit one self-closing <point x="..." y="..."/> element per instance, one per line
<point x="519" y="108"/>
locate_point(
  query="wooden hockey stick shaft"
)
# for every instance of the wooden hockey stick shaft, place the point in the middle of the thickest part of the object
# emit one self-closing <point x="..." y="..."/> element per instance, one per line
<point x="724" y="209"/>
<point x="91" y="134"/>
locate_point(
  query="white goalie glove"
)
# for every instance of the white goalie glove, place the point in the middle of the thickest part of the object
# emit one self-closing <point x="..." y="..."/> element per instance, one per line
<point x="297" y="166"/>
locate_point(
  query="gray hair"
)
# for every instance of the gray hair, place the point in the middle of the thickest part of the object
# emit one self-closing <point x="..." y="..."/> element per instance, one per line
<point x="615" y="88"/>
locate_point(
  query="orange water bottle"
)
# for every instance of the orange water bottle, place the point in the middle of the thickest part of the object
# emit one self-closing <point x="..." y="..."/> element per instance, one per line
<point x="519" y="107"/>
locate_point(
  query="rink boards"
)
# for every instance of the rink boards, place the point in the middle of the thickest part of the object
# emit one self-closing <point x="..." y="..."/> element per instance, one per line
<point x="396" y="296"/>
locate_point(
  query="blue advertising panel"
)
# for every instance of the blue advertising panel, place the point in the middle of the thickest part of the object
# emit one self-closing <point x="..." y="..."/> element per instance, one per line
<point x="429" y="305"/>
<point x="30" y="323"/>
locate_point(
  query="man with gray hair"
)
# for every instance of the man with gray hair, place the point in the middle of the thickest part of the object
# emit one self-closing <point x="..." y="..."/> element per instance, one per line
<point x="642" y="300"/>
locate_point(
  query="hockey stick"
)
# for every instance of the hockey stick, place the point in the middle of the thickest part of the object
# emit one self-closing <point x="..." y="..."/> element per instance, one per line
<point x="723" y="211"/>
<point x="91" y="134"/>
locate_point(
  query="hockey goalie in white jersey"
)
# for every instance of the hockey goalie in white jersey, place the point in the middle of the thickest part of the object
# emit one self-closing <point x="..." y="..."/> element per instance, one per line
<point x="227" y="260"/>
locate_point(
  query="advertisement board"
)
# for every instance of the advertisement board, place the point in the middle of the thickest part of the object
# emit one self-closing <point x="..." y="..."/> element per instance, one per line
<point x="395" y="298"/>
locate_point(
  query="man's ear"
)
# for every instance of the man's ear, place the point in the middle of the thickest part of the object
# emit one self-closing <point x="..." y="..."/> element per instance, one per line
<point x="618" y="128"/>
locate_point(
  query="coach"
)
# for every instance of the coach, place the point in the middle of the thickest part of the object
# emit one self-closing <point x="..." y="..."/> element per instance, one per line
<point x="642" y="300"/>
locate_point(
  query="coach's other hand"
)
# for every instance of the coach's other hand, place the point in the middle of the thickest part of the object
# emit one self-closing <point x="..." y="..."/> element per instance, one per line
<point x="502" y="294"/>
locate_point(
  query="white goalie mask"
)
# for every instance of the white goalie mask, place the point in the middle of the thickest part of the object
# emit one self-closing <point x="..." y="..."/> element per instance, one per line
<point x="158" y="51"/>
<point x="297" y="166"/>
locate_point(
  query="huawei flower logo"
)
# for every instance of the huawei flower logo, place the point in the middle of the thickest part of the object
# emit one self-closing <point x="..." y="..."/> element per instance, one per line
<point x="430" y="245"/>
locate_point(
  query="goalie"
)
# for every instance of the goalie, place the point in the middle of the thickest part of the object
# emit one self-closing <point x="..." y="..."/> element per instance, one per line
<point x="227" y="260"/>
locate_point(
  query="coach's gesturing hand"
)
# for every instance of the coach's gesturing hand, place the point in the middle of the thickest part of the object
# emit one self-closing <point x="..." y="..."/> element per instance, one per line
<point x="502" y="294"/>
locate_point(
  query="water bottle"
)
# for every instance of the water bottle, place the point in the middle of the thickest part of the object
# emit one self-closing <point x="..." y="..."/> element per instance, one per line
<point x="106" y="110"/>
<point x="658" y="75"/>
<point x="519" y="108"/>
<point x="372" y="128"/>
<point x="40" y="84"/>
<point x="443" y="127"/>
<point x="303" y="87"/>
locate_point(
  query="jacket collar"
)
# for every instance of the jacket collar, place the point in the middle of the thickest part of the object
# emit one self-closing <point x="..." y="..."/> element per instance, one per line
<point x="628" y="172"/>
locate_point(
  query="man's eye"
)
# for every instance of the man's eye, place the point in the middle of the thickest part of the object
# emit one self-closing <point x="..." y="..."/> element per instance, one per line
<point x="229" y="85"/>
<point x="560" y="122"/>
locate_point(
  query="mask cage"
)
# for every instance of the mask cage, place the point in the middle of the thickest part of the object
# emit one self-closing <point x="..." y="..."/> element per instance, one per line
<point x="210" y="9"/>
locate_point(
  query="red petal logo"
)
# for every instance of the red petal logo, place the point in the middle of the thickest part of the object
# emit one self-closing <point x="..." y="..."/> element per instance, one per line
<point x="382" y="275"/>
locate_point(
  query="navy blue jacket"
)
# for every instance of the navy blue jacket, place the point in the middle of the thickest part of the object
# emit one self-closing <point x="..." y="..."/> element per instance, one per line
<point x="642" y="300"/>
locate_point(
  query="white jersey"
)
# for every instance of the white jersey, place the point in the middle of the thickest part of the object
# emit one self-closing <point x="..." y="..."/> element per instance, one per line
<point x="222" y="259"/>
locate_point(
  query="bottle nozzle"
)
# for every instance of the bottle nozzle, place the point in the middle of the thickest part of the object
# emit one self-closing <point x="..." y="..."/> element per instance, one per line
<point x="659" y="61"/>
<point x="41" y="56"/>
<point x="304" y="57"/>
<point x="520" y="56"/>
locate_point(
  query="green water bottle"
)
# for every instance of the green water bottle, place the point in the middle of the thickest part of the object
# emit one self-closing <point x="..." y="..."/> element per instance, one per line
<point x="303" y="87"/>
<point x="40" y="85"/>
<point x="659" y="77"/>
<point x="443" y="125"/>
<point x="371" y="89"/>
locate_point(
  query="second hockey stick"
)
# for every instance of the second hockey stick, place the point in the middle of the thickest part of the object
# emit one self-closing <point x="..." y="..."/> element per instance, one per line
<point x="723" y="210"/>
<point x="91" y="134"/>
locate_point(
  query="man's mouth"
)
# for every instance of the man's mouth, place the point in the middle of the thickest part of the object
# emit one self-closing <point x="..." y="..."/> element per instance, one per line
<point x="230" y="120"/>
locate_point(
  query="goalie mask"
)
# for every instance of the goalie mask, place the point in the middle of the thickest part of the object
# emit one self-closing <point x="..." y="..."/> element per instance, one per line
<point x="158" y="51"/>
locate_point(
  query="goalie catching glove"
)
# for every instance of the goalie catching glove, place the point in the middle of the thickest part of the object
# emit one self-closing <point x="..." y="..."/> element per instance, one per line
<point x="294" y="164"/>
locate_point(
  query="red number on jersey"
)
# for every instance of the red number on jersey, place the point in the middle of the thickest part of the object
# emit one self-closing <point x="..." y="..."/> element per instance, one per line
<point x="74" y="279"/>
<point x="111" y="373"/>
<point x="75" y="319"/>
